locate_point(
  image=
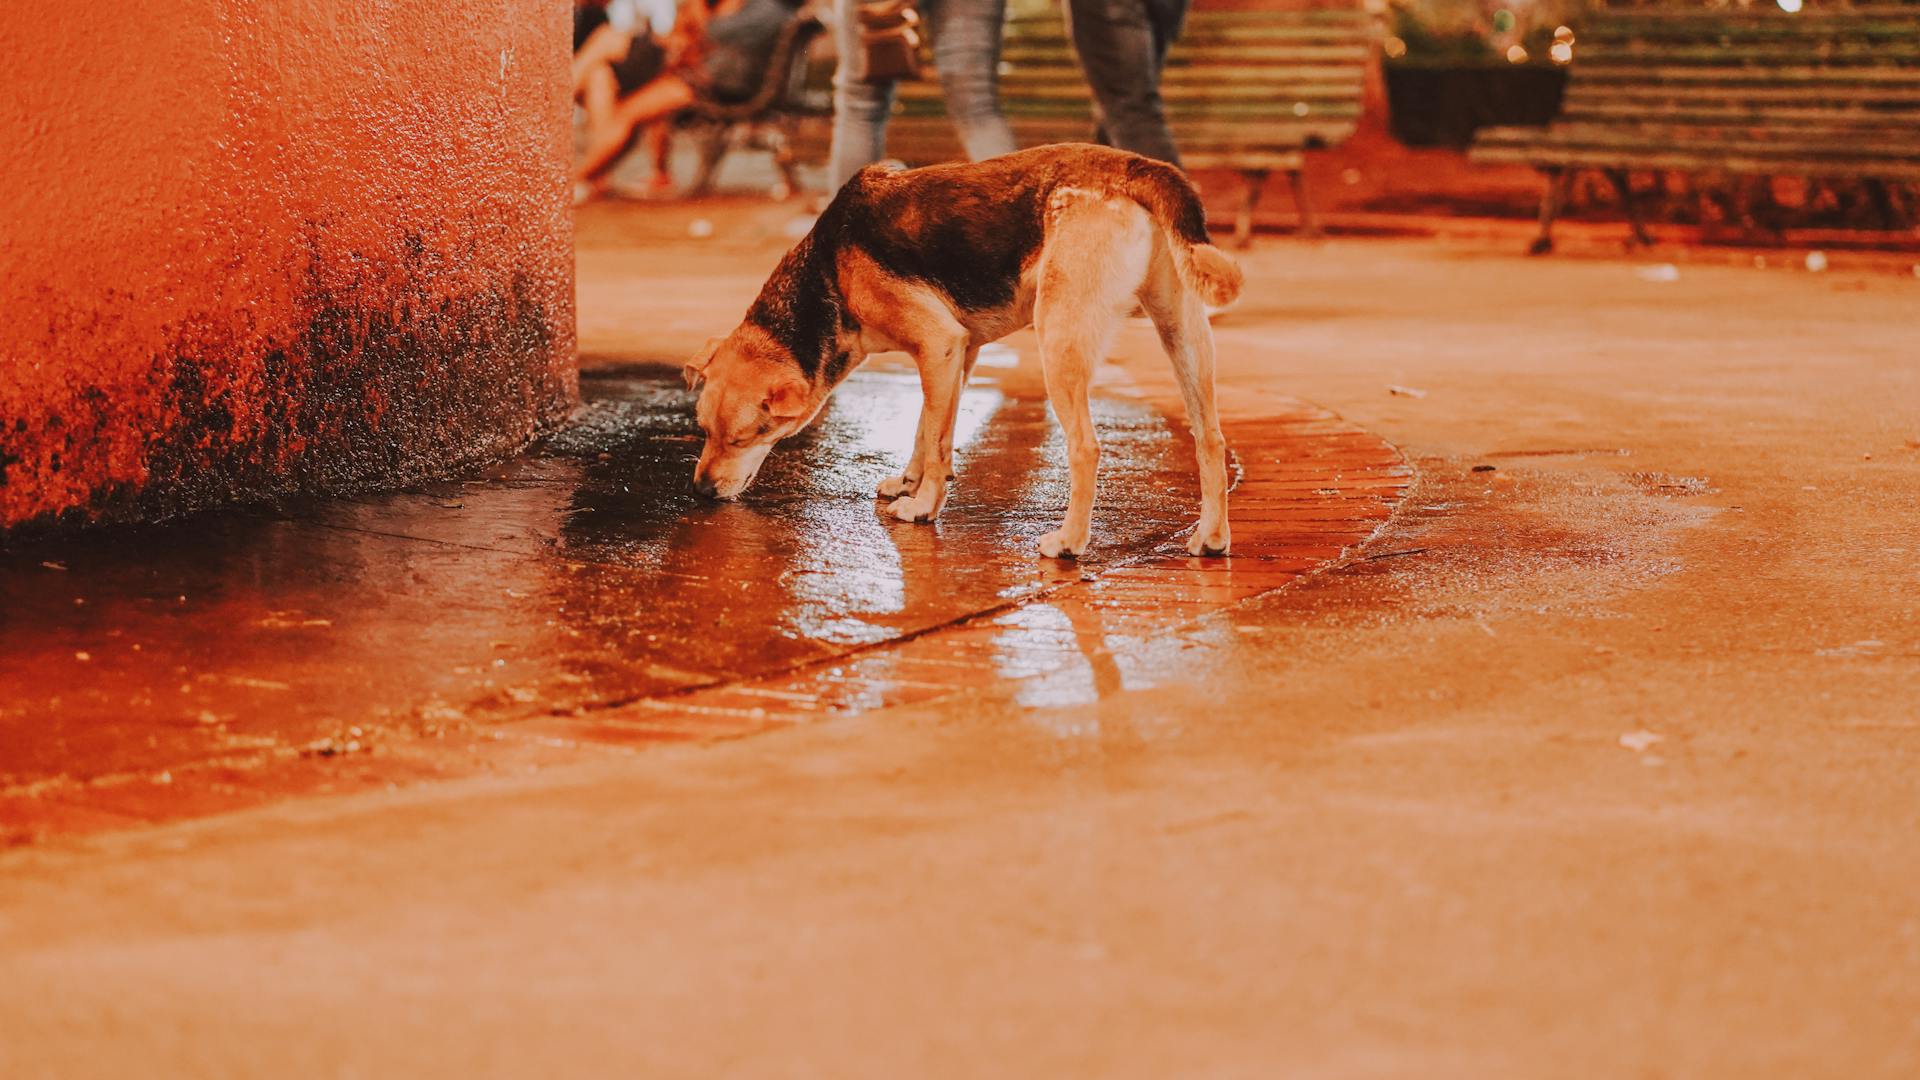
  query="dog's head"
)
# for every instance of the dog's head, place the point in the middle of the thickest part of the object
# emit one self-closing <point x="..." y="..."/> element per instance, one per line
<point x="752" y="395"/>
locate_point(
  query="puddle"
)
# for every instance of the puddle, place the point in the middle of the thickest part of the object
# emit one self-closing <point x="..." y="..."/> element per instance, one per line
<point x="581" y="574"/>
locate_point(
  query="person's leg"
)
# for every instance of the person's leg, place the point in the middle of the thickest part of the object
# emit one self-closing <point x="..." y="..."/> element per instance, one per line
<point x="657" y="100"/>
<point x="859" y="108"/>
<point x="966" y="52"/>
<point x="659" y="140"/>
<point x="1166" y="17"/>
<point x="603" y="47"/>
<point x="600" y="94"/>
<point x="1118" y="51"/>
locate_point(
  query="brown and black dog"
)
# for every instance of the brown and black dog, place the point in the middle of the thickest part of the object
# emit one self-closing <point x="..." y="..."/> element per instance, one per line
<point x="942" y="260"/>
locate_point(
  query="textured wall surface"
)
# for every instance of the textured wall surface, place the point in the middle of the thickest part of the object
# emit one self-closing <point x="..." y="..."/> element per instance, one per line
<point x="253" y="247"/>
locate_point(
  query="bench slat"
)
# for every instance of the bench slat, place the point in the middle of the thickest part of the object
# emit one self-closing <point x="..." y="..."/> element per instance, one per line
<point x="1605" y="72"/>
<point x="1734" y="114"/>
<point x="1669" y="158"/>
<point x="1894" y="142"/>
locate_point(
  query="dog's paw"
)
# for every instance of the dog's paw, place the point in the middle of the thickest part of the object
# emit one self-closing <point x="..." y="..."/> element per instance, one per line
<point x="1215" y="541"/>
<point x="1057" y="545"/>
<point x="897" y="485"/>
<point x="908" y="508"/>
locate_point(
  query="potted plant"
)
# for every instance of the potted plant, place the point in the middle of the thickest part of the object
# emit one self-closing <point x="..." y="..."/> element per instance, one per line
<point x="1455" y="66"/>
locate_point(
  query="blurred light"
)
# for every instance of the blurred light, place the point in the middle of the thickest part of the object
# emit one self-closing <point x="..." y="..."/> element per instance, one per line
<point x="1503" y="20"/>
<point x="1394" y="48"/>
<point x="1560" y="52"/>
<point x="1300" y="108"/>
<point x="1563" y="33"/>
<point x="1789" y="6"/>
<point x="1516" y="54"/>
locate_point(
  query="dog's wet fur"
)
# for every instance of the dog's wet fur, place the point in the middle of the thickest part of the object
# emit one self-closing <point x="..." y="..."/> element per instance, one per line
<point x="942" y="260"/>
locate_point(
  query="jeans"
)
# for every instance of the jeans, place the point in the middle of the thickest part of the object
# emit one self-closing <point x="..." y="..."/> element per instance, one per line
<point x="966" y="51"/>
<point x="1123" y="47"/>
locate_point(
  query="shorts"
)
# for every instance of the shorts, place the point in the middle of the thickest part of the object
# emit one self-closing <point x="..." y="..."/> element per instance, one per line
<point x="646" y="59"/>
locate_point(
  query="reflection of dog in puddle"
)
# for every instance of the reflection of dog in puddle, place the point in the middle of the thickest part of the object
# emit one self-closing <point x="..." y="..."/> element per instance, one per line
<point x="940" y="261"/>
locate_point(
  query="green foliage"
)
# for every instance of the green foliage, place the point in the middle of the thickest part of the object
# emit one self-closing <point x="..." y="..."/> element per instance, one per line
<point x="1467" y="33"/>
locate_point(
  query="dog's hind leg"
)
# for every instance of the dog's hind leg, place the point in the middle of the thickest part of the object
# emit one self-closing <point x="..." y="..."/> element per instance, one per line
<point x="1095" y="258"/>
<point x="1180" y="316"/>
<point x="942" y="358"/>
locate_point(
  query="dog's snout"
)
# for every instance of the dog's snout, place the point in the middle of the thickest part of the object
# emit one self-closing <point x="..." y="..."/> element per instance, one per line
<point x="705" y="485"/>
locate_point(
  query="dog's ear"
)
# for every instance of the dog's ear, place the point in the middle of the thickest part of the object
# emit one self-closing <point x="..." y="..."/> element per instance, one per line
<point x="787" y="399"/>
<point x="695" y="372"/>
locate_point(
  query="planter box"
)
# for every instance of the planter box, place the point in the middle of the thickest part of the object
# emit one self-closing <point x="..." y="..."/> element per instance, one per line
<point x="1432" y="105"/>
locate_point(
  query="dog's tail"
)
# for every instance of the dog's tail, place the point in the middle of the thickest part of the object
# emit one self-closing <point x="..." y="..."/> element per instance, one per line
<point x="1168" y="195"/>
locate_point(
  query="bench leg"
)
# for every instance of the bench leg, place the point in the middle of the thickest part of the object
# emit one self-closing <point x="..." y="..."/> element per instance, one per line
<point x="1886" y="204"/>
<point x="1558" y="180"/>
<point x="1623" y="185"/>
<point x="1256" y="180"/>
<point x="1309" y="217"/>
<point x="712" y="141"/>
<point x="779" y="141"/>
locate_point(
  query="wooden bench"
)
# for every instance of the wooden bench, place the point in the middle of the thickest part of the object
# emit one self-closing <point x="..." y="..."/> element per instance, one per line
<point x="766" y="121"/>
<point x="1248" y="91"/>
<point x="1828" y="92"/>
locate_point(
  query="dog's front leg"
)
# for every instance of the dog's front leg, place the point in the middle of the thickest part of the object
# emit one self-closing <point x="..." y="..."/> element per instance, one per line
<point x="909" y="477"/>
<point x="941" y="363"/>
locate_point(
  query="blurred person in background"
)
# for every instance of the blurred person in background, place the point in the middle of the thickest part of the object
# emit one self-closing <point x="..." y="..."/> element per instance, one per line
<point x="631" y="79"/>
<point x="622" y="15"/>
<point x="1122" y="45"/>
<point x="966" y="53"/>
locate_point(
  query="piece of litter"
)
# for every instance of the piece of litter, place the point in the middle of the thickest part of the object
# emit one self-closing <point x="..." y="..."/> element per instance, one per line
<point x="54" y="565"/>
<point x="699" y="228"/>
<point x="83" y="656"/>
<point x="1864" y="647"/>
<point x="1638" y="741"/>
<point x="1816" y="261"/>
<point x="1485" y="468"/>
<point x="1406" y="391"/>
<point x="1659" y="272"/>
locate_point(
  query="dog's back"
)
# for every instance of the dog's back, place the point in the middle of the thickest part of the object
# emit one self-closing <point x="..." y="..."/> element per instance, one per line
<point x="972" y="229"/>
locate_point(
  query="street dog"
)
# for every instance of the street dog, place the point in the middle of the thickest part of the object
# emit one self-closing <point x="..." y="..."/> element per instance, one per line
<point x="939" y="261"/>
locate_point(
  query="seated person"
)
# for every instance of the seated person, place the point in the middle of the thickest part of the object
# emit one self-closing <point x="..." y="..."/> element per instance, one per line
<point x="720" y="52"/>
<point x="618" y="47"/>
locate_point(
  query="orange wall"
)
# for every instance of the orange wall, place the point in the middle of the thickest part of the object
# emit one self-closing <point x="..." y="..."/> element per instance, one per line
<point x="259" y="247"/>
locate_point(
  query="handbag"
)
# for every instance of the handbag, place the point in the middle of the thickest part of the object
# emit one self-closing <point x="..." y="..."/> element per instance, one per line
<point x="889" y="41"/>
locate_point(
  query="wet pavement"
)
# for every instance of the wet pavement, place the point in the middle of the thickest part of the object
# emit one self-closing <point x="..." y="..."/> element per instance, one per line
<point x="581" y="575"/>
<point x="579" y="593"/>
<point x="1594" y="759"/>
